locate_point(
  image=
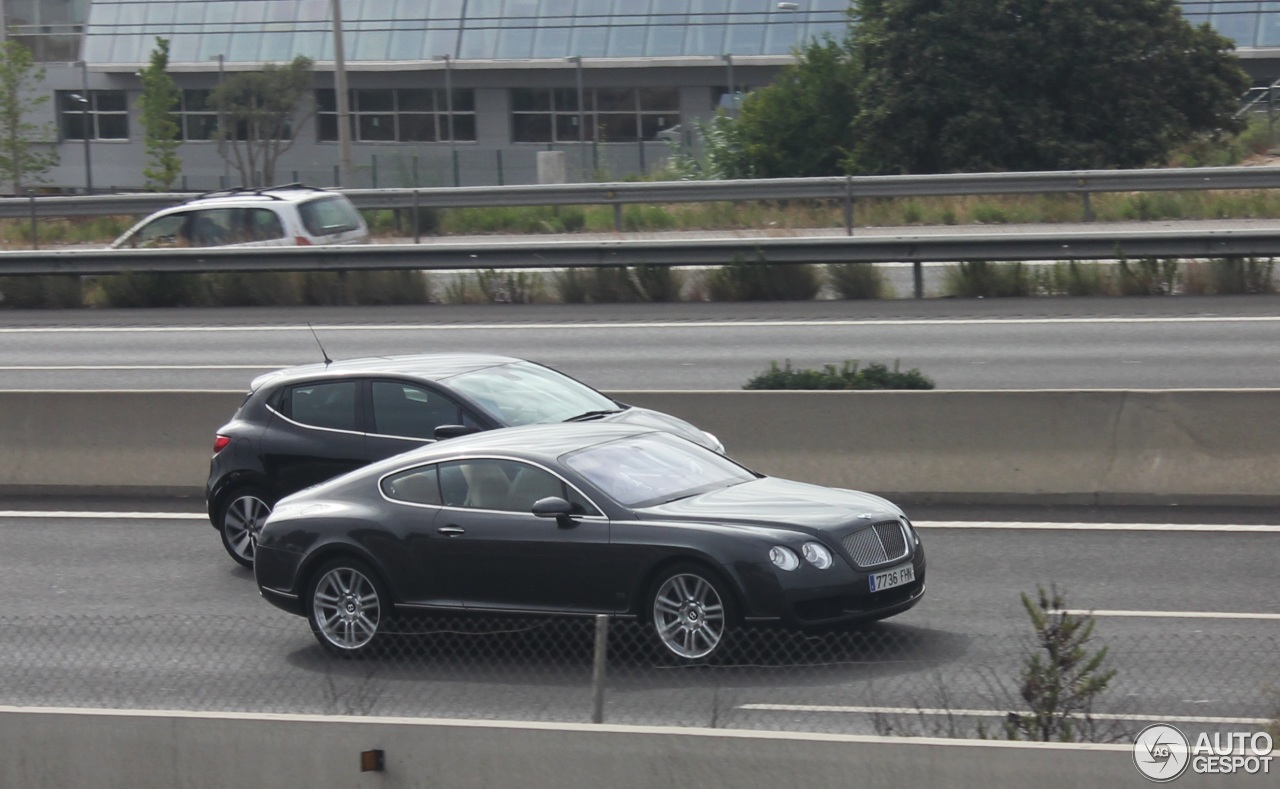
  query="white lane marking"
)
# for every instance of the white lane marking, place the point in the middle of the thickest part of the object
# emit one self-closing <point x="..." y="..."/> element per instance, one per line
<point x="596" y="326"/>
<point x="88" y="515"/>
<point x="995" y="713"/>
<point x="1173" y="614"/>
<point x="46" y="367"/>
<point x="1003" y="525"/>
<point x="1164" y="527"/>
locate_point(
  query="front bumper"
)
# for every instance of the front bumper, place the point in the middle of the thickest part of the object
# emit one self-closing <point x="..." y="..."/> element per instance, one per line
<point x="808" y="597"/>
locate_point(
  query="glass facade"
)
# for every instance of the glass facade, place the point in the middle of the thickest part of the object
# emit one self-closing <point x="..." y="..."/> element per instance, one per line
<point x="250" y="31"/>
<point x="1247" y="22"/>
<point x="399" y="115"/>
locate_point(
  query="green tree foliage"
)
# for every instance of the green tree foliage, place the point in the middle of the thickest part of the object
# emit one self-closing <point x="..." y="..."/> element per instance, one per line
<point x="260" y="114"/>
<point x="159" y="99"/>
<point x="986" y="85"/>
<point x="796" y="127"/>
<point x="23" y="160"/>
<point x="1062" y="679"/>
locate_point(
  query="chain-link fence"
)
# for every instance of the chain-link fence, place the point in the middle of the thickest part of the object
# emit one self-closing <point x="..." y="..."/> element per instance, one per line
<point x="884" y="678"/>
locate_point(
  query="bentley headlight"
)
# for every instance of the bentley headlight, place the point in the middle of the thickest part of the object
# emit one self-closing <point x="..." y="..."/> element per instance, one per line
<point x="784" y="558"/>
<point x="817" y="555"/>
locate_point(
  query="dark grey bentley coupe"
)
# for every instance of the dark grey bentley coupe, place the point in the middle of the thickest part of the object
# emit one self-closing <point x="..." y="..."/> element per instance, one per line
<point x="593" y="518"/>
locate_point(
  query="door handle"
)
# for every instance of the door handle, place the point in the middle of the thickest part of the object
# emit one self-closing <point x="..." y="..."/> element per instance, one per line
<point x="451" y="531"/>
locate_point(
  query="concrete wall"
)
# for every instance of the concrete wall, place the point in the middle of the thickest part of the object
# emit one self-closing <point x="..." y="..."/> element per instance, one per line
<point x="1046" y="446"/>
<point x="140" y="750"/>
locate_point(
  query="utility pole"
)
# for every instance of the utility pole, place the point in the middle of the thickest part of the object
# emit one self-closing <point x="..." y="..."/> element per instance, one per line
<point x="344" y="100"/>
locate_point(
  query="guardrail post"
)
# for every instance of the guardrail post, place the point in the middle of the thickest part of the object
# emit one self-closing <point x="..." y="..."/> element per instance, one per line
<point x="917" y="274"/>
<point x="417" y="228"/>
<point x="617" y="211"/>
<point x="35" y="232"/>
<point x="848" y="205"/>
<point x="1088" y="206"/>
<point x="598" y="668"/>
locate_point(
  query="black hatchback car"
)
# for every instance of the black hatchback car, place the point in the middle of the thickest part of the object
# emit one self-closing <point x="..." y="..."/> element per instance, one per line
<point x="303" y="425"/>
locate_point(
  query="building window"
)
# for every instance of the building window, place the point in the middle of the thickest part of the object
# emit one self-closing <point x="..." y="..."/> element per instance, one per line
<point x="106" y="114"/>
<point x="399" y="115"/>
<point x="197" y="119"/>
<point x="611" y="114"/>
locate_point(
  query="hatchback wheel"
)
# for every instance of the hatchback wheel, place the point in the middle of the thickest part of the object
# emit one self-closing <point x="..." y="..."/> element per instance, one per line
<point x="689" y="611"/>
<point x="347" y="607"/>
<point x="241" y="520"/>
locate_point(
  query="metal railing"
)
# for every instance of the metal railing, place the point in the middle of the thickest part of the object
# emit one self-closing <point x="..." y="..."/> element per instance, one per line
<point x="847" y="189"/>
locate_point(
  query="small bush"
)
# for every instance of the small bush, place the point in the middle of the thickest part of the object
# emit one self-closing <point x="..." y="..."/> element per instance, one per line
<point x="857" y="280"/>
<point x="1074" y="278"/>
<point x="760" y="280"/>
<point x="1148" y="277"/>
<point x="989" y="214"/>
<point x="1062" y="679"/>
<point x="48" y="292"/>
<point x="1242" y="275"/>
<point x="619" y="284"/>
<point x="983" y="279"/>
<point x="265" y="289"/>
<point x="847" y="376"/>
<point x="154" y="289"/>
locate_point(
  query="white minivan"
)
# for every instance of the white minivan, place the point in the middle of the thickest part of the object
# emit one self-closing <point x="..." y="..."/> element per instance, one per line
<point x="277" y="216"/>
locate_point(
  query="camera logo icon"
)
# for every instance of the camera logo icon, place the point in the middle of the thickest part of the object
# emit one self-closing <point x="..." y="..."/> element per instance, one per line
<point x="1161" y="752"/>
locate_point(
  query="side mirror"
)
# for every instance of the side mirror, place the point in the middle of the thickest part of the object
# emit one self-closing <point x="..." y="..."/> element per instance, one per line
<point x="554" y="507"/>
<point x="453" y="431"/>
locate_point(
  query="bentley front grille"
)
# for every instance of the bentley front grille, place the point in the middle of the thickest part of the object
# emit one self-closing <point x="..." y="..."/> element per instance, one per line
<point x="883" y="542"/>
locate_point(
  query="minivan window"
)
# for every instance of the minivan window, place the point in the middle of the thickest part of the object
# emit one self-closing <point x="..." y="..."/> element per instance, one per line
<point x="328" y="215"/>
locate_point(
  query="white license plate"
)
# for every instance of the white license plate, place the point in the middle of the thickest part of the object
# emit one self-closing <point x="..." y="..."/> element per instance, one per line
<point x="897" y="576"/>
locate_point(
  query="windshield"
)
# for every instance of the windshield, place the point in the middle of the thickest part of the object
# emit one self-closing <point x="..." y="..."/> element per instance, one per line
<point x="653" y="468"/>
<point x="524" y="393"/>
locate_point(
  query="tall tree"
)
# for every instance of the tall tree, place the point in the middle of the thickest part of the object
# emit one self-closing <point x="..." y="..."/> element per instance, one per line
<point x="260" y="113"/>
<point x="160" y="97"/>
<point x="797" y="126"/>
<point x="25" y="156"/>
<point x="980" y="85"/>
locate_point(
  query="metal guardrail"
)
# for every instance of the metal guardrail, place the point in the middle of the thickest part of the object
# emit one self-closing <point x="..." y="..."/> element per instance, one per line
<point x="847" y="189"/>
<point x="1093" y="245"/>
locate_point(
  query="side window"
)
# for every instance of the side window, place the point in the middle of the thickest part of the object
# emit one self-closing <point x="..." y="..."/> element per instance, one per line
<point x="504" y="485"/>
<point x="409" y="411"/>
<point x="257" y="224"/>
<point x="211" y="227"/>
<point x="416" y="486"/>
<point x="167" y="231"/>
<point x="331" y="405"/>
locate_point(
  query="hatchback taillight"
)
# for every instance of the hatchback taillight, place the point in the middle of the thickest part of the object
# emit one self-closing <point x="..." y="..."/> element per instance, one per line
<point x="220" y="443"/>
<point x="302" y="241"/>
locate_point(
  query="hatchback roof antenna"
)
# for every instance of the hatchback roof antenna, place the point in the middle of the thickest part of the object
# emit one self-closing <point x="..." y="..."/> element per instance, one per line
<point x="327" y="360"/>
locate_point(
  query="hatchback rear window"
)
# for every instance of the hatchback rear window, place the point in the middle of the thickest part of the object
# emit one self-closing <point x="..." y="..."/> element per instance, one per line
<point x="329" y="215"/>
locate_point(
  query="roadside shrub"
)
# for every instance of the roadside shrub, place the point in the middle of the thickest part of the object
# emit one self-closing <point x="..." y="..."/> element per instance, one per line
<point x="760" y="280"/>
<point x="154" y="289"/>
<point x="1148" y="277"/>
<point x="657" y="283"/>
<point x="619" y="284"/>
<point x="847" y="376"/>
<point x="1242" y="275"/>
<point x="247" y="289"/>
<point x="1061" y="680"/>
<point x="983" y="279"/>
<point x="49" y="292"/>
<point x="857" y="280"/>
<point x="1074" y="278"/>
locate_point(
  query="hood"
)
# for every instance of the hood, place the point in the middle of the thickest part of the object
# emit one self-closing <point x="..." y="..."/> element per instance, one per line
<point x="780" y="502"/>
<point x="657" y="420"/>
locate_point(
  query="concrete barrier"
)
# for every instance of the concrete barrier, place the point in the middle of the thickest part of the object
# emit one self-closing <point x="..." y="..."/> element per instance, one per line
<point x="1107" y="447"/>
<point x="162" y="750"/>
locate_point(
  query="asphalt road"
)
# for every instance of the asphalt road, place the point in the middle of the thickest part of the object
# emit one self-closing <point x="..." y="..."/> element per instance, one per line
<point x="1134" y="343"/>
<point x="147" y="611"/>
